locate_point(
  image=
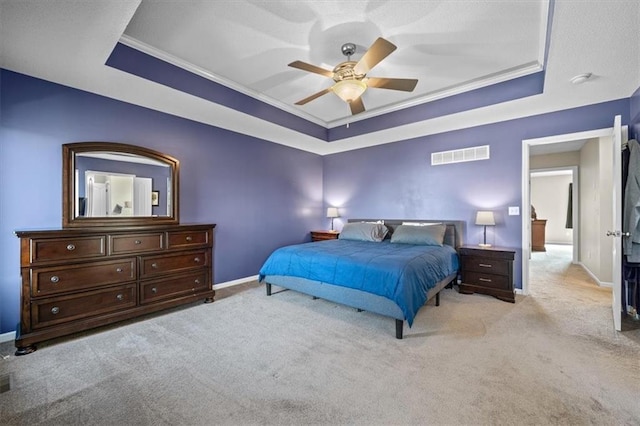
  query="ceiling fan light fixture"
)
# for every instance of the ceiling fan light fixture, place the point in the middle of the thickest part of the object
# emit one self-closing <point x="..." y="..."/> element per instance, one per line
<point x="349" y="90"/>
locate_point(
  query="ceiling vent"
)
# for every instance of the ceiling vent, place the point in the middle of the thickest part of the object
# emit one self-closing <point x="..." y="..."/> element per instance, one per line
<point x="474" y="153"/>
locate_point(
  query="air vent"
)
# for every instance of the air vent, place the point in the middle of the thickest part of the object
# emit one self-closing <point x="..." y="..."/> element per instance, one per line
<point x="474" y="153"/>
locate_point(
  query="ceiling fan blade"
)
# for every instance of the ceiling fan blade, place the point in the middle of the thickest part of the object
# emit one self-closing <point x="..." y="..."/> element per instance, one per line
<point x="356" y="106"/>
<point x="379" y="50"/>
<point x="312" y="97"/>
<point x="311" y="68"/>
<point x="404" y="84"/>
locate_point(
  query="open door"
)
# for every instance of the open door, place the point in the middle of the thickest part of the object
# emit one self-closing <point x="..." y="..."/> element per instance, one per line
<point x="616" y="231"/>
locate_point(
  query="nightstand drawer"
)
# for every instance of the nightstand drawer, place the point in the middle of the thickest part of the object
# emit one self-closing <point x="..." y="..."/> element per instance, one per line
<point x="487" y="280"/>
<point x="485" y="265"/>
<point x="324" y="235"/>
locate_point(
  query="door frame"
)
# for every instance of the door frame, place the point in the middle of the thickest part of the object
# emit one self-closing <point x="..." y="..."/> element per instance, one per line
<point x="526" y="212"/>
<point x="575" y="203"/>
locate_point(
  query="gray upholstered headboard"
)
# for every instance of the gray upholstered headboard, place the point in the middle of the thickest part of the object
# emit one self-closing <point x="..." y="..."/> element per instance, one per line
<point x="453" y="236"/>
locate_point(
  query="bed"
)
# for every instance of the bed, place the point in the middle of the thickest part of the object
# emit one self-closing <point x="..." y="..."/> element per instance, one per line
<point x="392" y="275"/>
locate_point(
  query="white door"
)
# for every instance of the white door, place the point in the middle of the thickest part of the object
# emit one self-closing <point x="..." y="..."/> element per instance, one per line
<point x="617" y="224"/>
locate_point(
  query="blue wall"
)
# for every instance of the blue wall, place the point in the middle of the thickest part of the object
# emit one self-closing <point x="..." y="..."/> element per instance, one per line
<point x="261" y="195"/>
<point x="397" y="181"/>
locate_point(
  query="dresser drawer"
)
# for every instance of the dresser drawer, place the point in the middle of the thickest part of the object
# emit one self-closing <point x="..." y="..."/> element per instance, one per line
<point x="50" y="281"/>
<point x="136" y="243"/>
<point x="485" y="265"/>
<point x="486" y="280"/>
<point x="154" y="265"/>
<point x="72" y="248"/>
<point x="152" y="291"/>
<point x="186" y="239"/>
<point x="61" y="309"/>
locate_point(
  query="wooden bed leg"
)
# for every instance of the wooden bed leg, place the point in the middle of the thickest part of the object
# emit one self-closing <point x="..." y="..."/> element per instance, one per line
<point x="438" y="299"/>
<point x="399" y="326"/>
<point x="268" y="289"/>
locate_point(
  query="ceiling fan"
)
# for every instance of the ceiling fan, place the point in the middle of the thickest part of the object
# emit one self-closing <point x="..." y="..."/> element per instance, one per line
<point x="351" y="79"/>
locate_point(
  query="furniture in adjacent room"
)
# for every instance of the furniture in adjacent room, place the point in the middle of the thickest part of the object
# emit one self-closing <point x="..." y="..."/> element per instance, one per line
<point x="538" y="237"/>
<point x="487" y="270"/>
<point x="101" y="269"/>
<point x="394" y="278"/>
<point x="324" y="235"/>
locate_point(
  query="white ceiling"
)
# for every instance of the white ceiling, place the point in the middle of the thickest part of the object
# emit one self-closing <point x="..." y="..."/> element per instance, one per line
<point x="247" y="45"/>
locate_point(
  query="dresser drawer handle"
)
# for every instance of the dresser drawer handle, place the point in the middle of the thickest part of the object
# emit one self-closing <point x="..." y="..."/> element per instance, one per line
<point x="55" y="310"/>
<point x="119" y="296"/>
<point x="55" y="279"/>
<point x="487" y="280"/>
<point x="154" y="265"/>
<point x="484" y="265"/>
<point x="196" y="281"/>
<point x="189" y="238"/>
<point x="197" y="260"/>
<point x="71" y="247"/>
<point x="154" y="290"/>
<point x="118" y="269"/>
<point x="137" y="242"/>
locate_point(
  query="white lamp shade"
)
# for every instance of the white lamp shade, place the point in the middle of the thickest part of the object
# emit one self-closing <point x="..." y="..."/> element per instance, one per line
<point x="485" y="218"/>
<point x="349" y="90"/>
<point x="332" y="212"/>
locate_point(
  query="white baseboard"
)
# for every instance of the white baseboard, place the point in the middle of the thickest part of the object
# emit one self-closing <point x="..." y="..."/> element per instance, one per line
<point x="235" y="282"/>
<point x="7" y="337"/>
<point x="596" y="279"/>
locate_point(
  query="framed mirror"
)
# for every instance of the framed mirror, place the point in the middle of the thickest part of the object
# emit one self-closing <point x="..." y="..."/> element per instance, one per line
<point x="107" y="184"/>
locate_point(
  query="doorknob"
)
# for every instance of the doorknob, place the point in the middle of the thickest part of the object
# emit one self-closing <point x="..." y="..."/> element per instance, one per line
<point x="617" y="234"/>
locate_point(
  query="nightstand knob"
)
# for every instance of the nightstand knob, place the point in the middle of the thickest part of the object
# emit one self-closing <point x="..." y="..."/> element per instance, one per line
<point x="197" y="260"/>
<point x="71" y="247"/>
<point x="484" y="265"/>
<point x="119" y="296"/>
<point x="55" y="310"/>
<point x="487" y="280"/>
<point x="197" y="281"/>
<point x="154" y="290"/>
<point x="189" y="238"/>
<point x="118" y="269"/>
<point x="55" y="279"/>
<point x="138" y="242"/>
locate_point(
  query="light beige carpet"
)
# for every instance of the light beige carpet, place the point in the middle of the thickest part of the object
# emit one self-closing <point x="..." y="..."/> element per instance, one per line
<point x="550" y="358"/>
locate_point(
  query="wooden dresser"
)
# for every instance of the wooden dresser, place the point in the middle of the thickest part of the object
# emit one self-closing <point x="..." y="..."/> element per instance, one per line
<point x="538" y="234"/>
<point x="78" y="279"/>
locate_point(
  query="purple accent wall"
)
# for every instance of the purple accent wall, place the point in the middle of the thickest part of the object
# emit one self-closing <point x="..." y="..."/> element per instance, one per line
<point x="397" y="181"/>
<point x="634" y="114"/>
<point x="261" y="195"/>
<point x="138" y="63"/>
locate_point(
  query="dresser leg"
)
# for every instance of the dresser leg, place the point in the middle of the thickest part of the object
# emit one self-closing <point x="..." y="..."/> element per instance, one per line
<point x="208" y="300"/>
<point x="25" y="350"/>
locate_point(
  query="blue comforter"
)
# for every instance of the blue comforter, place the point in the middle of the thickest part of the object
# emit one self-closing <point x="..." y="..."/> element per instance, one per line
<point x="403" y="273"/>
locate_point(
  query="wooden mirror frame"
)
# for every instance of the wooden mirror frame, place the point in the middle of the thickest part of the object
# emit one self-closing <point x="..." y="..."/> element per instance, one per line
<point x="69" y="220"/>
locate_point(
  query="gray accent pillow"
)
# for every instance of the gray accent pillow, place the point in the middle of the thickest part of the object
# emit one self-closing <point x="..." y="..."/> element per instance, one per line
<point x="363" y="231"/>
<point x="432" y="235"/>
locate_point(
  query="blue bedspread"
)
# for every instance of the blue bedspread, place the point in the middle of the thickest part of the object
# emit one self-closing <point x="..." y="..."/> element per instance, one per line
<point x="403" y="273"/>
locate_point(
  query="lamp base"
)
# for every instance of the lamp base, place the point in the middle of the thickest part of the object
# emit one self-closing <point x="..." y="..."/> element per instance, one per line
<point x="484" y="245"/>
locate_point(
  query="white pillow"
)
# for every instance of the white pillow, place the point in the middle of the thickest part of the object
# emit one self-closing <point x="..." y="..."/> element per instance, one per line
<point x="363" y="231"/>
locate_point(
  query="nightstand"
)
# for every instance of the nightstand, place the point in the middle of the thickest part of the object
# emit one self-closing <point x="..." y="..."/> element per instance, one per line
<point x="488" y="271"/>
<point x="324" y="235"/>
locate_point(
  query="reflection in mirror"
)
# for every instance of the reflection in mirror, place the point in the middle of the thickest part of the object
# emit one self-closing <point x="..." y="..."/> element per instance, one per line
<point x="113" y="184"/>
<point x="109" y="184"/>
